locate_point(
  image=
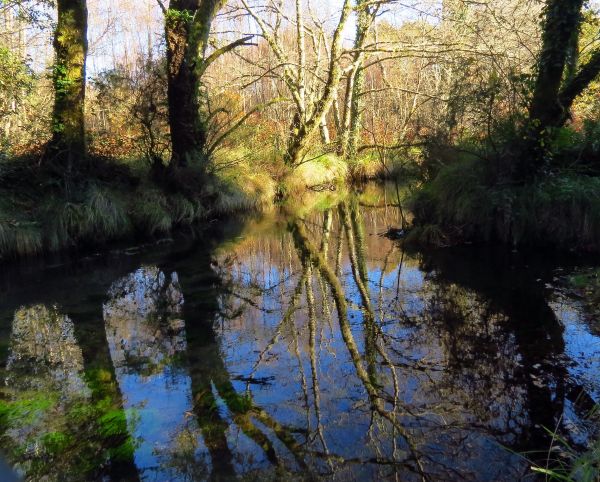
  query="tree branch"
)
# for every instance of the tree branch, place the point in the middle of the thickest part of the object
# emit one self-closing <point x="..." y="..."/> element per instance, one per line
<point x="222" y="51"/>
<point x="162" y="6"/>
<point x="229" y="131"/>
<point x="575" y="87"/>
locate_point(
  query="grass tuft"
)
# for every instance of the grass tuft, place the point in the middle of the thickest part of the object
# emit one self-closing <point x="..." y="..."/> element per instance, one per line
<point x="561" y="211"/>
<point x="105" y="215"/>
<point x="150" y="212"/>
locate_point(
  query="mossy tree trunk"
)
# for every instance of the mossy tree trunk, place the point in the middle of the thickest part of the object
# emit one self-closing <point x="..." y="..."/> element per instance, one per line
<point x="68" y="146"/>
<point x="578" y="82"/>
<point x="304" y="130"/>
<point x="187" y="29"/>
<point x="559" y="81"/>
<point x="563" y="18"/>
<point x="356" y="81"/>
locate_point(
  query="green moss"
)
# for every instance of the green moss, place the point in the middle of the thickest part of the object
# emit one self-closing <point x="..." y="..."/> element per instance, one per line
<point x="587" y="283"/>
<point x="56" y="442"/>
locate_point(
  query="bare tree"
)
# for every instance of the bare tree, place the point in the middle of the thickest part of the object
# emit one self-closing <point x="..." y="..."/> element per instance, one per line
<point x="313" y="106"/>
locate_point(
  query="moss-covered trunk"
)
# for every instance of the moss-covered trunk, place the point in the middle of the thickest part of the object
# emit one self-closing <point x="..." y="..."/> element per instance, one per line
<point x="559" y="81"/>
<point x="304" y="130"/>
<point x="187" y="28"/>
<point x="68" y="147"/>
<point x="563" y="18"/>
<point x="355" y="103"/>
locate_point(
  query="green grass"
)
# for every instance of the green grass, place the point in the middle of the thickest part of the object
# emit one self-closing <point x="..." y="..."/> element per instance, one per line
<point x="39" y="213"/>
<point x="322" y="171"/>
<point x="561" y="211"/>
<point x="572" y="465"/>
<point x="587" y="285"/>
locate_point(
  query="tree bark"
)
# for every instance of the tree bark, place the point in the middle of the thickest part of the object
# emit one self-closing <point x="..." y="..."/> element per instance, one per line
<point x="562" y="21"/>
<point x="356" y="83"/>
<point x="68" y="146"/>
<point x="563" y="18"/>
<point x="187" y="28"/>
<point x="580" y="81"/>
<point x="300" y="137"/>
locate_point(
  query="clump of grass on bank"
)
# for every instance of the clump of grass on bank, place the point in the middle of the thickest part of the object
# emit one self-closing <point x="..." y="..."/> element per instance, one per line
<point x="40" y="212"/>
<point x="366" y="167"/>
<point x="373" y="164"/>
<point x="323" y="172"/>
<point x="588" y="282"/>
<point x="461" y="204"/>
<point x="242" y="181"/>
<point x="586" y="285"/>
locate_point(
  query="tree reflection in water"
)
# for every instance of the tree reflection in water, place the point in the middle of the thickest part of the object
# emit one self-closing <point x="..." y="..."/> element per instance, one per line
<point x="391" y="365"/>
<point x="146" y="338"/>
<point x="50" y="405"/>
<point x="303" y="347"/>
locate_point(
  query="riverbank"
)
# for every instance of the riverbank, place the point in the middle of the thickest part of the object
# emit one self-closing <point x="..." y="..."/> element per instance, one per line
<point x="464" y="203"/>
<point x="42" y="212"/>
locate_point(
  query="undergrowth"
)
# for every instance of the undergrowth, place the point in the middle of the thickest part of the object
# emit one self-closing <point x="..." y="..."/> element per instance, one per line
<point x="40" y="212"/>
<point x="571" y="465"/>
<point x="461" y="204"/>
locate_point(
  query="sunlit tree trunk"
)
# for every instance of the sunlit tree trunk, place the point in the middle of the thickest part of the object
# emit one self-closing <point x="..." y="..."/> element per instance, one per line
<point x="301" y="137"/>
<point x="187" y="29"/>
<point x="356" y="81"/>
<point x="68" y="146"/>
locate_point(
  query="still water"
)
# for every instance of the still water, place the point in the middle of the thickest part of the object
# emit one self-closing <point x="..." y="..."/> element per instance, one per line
<point x="300" y="347"/>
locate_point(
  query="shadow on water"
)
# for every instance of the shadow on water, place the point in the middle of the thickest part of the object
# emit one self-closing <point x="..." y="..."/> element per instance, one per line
<point x="309" y="348"/>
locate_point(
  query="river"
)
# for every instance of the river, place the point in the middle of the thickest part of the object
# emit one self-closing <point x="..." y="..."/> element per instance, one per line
<point x="303" y="346"/>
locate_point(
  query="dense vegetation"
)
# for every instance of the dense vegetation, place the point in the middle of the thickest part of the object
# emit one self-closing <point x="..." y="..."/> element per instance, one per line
<point x="205" y="107"/>
<point x="534" y="177"/>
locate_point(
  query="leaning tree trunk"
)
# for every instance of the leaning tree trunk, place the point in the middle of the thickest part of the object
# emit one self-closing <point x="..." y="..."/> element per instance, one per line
<point x="578" y="82"/>
<point x="562" y="20"/>
<point x="187" y="29"/>
<point x="555" y="92"/>
<point x="67" y="148"/>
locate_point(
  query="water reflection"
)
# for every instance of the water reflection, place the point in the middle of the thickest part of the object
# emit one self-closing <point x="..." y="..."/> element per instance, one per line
<point x="308" y="346"/>
<point x="146" y="339"/>
<point x="49" y="401"/>
<point x="424" y="372"/>
<point x="44" y="354"/>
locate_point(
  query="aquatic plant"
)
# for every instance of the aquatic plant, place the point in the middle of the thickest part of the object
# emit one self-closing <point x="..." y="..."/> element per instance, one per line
<point x="572" y="465"/>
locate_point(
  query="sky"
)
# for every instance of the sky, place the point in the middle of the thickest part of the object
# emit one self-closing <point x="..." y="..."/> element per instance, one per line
<point x="120" y="29"/>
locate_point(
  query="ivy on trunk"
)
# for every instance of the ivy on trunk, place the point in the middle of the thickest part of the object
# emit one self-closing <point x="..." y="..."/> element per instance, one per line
<point x="187" y="29"/>
<point x="558" y="83"/>
<point x="68" y="147"/>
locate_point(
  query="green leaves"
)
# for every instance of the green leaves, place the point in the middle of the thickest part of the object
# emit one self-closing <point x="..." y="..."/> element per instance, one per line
<point x="175" y="17"/>
<point x="16" y="81"/>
